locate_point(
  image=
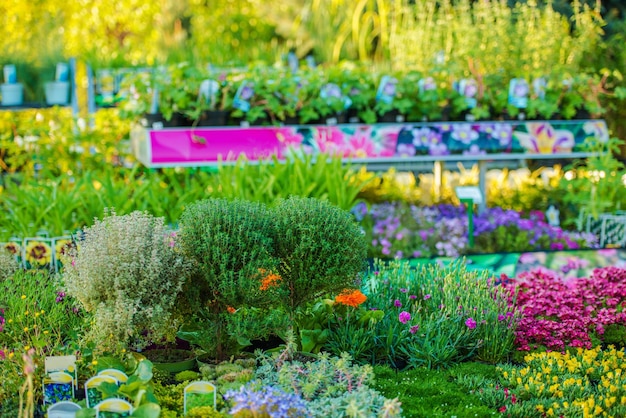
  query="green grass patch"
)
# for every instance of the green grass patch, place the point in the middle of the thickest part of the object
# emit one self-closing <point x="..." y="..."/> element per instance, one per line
<point x="438" y="393"/>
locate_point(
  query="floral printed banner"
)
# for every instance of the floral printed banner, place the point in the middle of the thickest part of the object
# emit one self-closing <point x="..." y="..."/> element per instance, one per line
<point x="205" y="146"/>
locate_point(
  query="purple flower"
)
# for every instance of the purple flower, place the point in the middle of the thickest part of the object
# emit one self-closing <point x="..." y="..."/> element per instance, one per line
<point x="464" y="133"/>
<point x="425" y="137"/>
<point x="412" y="297"/>
<point x="403" y="290"/>
<point x="397" y="303"/>
<point x="501" y="317"/>
<point x="470" y="323"/>
<point x="427" y="296"/>
<point x="414" y="329"/>
<point x="404" y="317"/>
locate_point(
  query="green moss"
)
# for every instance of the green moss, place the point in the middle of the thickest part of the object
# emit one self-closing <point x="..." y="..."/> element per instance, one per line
<point x="435" y="393"/>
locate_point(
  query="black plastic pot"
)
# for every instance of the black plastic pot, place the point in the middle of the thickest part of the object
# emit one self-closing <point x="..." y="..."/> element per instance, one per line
<point x="152" y="120"/>
<point x="214" y="118"/>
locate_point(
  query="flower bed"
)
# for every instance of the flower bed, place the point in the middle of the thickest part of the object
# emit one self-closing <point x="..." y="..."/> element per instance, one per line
<point x="400" y="230"/>
<point x="581" y="312"/>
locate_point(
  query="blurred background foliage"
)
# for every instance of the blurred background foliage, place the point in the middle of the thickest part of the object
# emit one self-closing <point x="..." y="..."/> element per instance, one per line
<point x="461" y="38"/>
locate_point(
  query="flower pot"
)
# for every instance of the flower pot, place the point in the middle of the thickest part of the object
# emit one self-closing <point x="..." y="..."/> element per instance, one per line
<point x="213" y="118"/>
<point x="152" y="120"/>
<point x="57" y="92"/>
<point x="12" y="94"/>
<point x="393" y="116"/>
<point x="171" y="360"/>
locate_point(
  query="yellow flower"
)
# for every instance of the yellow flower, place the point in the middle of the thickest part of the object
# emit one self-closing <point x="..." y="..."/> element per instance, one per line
<point x="13" y="248"/>
<point x="38" y="253"/>
<point x="10" y="321"/>
<point x="45" y="333"/>
<point x="25" y="329"/>
<point x="11" y="354"/>
<point x="23" y="296"/>
<point x="26" y="347"/>
<point x="95" y="362"/>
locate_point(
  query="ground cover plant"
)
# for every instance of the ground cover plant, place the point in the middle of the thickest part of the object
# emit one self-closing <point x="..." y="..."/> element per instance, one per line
<point x="559" y="313"/>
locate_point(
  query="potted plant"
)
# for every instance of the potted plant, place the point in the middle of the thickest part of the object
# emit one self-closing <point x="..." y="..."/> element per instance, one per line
<point x="178" y="93"/>
<point x="12" y="92"/>
<point x="127" y="272"/>
<point x="213" y="105"/>
<point x="230" y="244"/>
<point x="359" y="86"/>
<point x="57" y="92"/>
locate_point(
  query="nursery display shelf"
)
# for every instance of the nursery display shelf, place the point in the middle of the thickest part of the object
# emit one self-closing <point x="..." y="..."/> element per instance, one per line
<point x="404" y="146"/>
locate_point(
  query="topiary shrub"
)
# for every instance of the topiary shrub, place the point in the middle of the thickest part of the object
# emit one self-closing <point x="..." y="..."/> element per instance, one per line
<point x="230" y="245"/>
<point x="320" y="247"/>
<point x="128" y="272"/>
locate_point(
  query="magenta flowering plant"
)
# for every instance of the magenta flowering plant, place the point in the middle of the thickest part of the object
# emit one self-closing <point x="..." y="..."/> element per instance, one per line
<point x="560" y="313"/>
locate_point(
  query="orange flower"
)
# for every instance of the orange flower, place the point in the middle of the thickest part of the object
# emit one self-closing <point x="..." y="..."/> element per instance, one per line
<point x="270" y="280"/>
<point x="231" y="310"/>
<point x="351" y="298"/>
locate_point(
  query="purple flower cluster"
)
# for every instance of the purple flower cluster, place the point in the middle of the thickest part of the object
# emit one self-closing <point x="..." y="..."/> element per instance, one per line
<point x="269" y="401"/>
<point x="400" y="230"/>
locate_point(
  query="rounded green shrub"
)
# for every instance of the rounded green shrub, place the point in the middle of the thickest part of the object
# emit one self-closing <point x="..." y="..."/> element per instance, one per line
<point x="320" y="247"/>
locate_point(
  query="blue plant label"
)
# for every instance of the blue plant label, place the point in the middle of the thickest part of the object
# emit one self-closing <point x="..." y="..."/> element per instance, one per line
<point x="209" y="90"/>
<point x="426" y="84"/>
<point x="243" y="96"/>
<point x="310" y="61"/>
<point x="539" y="87"/>
<point x="518" y="93"/>
<point x="10" y="74"/>
<point x="62" y="72"/>
<point x="468" y="88"/>
<point x="386" y="89"/>
<point x="57" y="386"/>
<point x="552" y="215"/>
<point x="292" y="62"/>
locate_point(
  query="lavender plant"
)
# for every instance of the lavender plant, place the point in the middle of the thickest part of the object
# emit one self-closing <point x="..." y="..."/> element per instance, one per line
<point x="266" y="402"/>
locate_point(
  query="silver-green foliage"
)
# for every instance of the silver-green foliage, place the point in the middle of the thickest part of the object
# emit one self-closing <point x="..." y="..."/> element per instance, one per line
<point x="332" y="386"/>
<point x="128" y="272"/>
<point x="8" y="265"/>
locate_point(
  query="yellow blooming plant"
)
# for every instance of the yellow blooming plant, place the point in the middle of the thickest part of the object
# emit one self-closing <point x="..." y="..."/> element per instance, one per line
<point x="38" y="253"/>
<point x="581" y="383"/>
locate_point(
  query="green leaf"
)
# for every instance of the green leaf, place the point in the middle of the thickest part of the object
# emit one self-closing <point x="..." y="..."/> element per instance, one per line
<point x="148" y="410"/>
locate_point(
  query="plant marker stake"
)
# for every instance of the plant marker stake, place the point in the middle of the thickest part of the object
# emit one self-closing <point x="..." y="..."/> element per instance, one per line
<point x="470" y="220"/>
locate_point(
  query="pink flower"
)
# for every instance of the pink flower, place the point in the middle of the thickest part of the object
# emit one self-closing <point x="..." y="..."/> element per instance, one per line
<point x="397" y="303"/>
<point x="427" y="296"/>
<point x="414" y="329"/>
<point x="470" y="323"/>
<point x="404" y="317"/>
